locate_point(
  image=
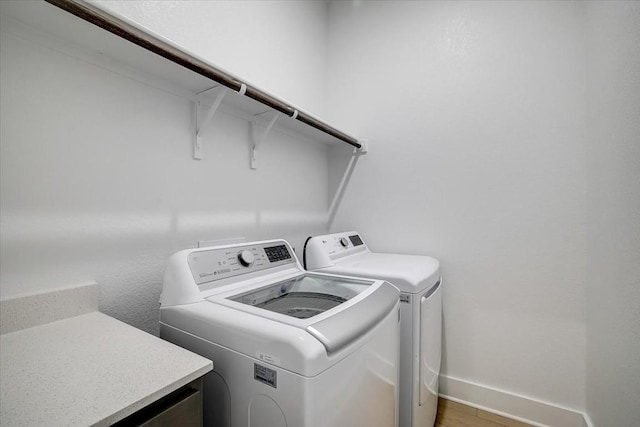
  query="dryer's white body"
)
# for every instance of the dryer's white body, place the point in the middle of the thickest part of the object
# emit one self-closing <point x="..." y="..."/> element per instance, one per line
<point x="418" y="279"/>
<point x="338" y="367"/>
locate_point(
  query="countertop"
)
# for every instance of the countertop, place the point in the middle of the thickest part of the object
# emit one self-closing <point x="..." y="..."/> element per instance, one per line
<point x="87" y="370"/>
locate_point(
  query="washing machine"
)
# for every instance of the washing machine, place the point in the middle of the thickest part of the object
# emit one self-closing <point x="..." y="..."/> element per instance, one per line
<point x="289" y="348"/>
<point x="418" y="279"/>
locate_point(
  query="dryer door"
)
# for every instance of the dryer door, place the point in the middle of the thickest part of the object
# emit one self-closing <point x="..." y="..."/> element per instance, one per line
<point x="430" y="345"/>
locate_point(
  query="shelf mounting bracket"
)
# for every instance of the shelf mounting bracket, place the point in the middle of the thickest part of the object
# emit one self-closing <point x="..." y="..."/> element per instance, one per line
<point x="220" y="92"/>
<point x="346" y="177"/>
<point x="256" y="140"/>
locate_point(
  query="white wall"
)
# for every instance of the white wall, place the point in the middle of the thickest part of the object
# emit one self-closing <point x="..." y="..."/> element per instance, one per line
<point x="476" y="116"/>
<point x="613" y="280"/>
<point x="280" y="46"/>
<point x="97" y="179"/>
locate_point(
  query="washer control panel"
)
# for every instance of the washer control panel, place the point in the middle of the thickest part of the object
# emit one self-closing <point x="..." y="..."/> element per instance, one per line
<point x="221" y="263"/>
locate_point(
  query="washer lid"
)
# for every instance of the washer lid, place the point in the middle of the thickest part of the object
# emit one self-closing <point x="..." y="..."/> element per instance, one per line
<point x="334" y="310"/>
<point x="303" y="296"/>
<point x="409" y="273"/>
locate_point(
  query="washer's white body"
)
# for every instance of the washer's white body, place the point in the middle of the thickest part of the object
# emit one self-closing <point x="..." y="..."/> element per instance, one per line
<point x="338" y="368"/>
<point x="418" y="279"/>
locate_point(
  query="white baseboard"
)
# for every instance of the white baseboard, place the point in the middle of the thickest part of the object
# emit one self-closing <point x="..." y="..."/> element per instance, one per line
<point x="520" y="408"/>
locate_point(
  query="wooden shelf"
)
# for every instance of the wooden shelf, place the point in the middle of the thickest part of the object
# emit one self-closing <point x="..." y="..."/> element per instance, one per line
<point x="82" y="35"/>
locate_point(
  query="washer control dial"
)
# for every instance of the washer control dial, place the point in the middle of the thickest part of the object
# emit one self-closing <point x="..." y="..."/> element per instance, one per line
<point x="246" y="258"/>
<point x="344" y="242"/>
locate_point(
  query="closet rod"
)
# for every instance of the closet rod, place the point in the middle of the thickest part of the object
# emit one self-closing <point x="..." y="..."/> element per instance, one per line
<point x="131" y="33"/>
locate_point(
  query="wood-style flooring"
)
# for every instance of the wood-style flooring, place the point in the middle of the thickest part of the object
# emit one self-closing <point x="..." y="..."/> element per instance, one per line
<point x="453" y="414"/>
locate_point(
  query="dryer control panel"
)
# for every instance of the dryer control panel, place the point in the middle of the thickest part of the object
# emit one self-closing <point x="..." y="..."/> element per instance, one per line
<point x="339" y="243"/>
<point x="223" y="262"/>
<point x="322" y="250"/>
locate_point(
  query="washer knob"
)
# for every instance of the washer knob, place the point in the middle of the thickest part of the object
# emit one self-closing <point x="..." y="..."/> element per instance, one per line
<point x="246" y="258"/>
<point x="344" y="242"/>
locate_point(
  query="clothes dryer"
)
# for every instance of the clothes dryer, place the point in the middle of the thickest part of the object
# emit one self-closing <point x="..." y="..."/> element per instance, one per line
<point x="289" y="348"/>
<point x="418" y="279"/>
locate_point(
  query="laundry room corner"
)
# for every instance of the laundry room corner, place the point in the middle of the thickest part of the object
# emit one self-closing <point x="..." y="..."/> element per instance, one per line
<point x="477" y="113"/>
<point x="331" y="213"/>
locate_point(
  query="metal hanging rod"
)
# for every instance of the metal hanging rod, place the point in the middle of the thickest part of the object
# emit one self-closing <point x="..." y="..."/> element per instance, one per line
<point x="123" y="29"/>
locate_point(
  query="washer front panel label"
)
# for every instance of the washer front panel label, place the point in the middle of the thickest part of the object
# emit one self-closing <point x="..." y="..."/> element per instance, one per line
<point x="265" y="375"/>
<point x="264" y="357"/>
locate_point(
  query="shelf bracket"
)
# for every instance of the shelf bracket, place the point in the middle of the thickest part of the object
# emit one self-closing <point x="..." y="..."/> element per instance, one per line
<point x="256" y="140"/>
<point x="364" y="147"/>
<point x="346" y="177"/>
<point x="201" y="124"/>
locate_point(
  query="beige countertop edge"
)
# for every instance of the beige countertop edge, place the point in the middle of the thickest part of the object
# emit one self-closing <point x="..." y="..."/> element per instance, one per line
<point x="89" y="369"/>
<point x="125" y="412"/>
